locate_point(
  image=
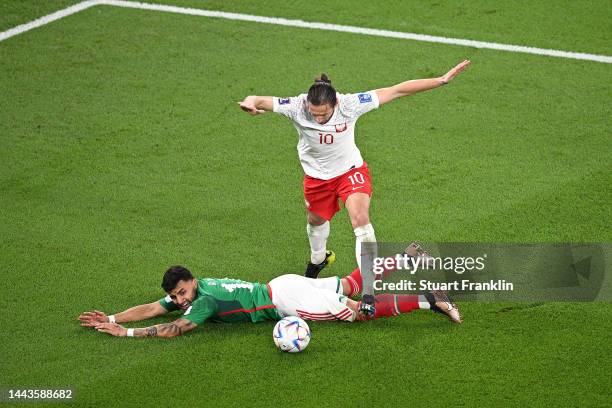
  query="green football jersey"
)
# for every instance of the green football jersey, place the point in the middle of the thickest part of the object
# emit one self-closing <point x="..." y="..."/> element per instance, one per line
<point x="227" y="300"/>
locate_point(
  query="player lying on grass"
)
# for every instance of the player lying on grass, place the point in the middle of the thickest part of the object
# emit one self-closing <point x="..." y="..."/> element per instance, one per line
<point x="231" y="300"/>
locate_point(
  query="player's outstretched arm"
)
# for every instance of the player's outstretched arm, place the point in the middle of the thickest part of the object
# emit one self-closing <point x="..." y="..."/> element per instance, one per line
<point x="176" y="328"/>
<point x="386" y="95"/>
<point x="133" y="314"/>
<point x="256" y="105"/>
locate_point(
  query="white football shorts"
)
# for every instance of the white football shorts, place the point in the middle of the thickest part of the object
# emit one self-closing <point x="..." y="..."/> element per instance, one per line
<point x="310" y="299"/>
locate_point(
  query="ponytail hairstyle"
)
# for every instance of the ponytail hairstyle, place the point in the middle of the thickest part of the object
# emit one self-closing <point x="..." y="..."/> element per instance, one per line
<point x="322" y="92"/>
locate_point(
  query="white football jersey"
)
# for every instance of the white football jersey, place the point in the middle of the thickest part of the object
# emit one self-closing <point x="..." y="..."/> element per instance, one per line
<point x="329" y="150"/>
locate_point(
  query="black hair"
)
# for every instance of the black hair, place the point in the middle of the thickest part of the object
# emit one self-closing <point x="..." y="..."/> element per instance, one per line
<point x="173" y="276"/>
<point x="322" y="92"/>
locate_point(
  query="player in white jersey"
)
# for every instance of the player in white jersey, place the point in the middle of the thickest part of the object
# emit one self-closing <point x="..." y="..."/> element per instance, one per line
<point x="332" y="163"/>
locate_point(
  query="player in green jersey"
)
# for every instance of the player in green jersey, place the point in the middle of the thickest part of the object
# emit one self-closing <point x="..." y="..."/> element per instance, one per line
<point x="232" y="300"/>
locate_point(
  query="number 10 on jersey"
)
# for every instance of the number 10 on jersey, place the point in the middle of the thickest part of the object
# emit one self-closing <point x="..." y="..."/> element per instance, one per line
<point x="326" y="138"/>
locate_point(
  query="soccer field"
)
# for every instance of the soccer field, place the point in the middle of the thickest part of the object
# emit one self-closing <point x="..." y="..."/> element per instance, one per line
<point x="123" y="152"/>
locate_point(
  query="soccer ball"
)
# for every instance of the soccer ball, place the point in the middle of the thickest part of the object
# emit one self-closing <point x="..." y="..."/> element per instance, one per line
<point x="291" y="334"/>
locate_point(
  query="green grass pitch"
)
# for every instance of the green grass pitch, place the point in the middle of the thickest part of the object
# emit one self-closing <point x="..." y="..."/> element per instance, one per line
<point x="123" y="152"/>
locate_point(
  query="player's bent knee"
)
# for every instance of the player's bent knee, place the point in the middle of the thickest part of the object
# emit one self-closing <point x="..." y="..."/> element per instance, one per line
<point x="359" y="220"/>
<point x="315" y="220"/>
<point x="346" y="287"/>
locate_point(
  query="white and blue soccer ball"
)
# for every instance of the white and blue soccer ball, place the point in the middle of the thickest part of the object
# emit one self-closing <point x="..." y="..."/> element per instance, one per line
<point x="291" y="334"/>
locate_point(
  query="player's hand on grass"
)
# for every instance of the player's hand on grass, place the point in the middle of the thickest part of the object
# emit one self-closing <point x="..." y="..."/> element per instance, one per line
<point x="454" y="72"/>
<point x="248" y="105"/>
<point x="90" y="319"/>
<point x="367" y="307"/>
<point x="113" y="329"/>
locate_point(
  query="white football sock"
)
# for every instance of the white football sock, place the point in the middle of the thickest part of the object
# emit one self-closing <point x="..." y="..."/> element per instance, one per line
<point x="365" y="235"/>
<point x="317" y="235"/>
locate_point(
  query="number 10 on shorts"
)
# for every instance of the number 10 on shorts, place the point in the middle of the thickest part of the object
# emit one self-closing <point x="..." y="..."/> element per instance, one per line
<point x="356" y="178"/>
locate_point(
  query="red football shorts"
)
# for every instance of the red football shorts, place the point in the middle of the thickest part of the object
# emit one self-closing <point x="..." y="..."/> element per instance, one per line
<point x="322" y="195"/>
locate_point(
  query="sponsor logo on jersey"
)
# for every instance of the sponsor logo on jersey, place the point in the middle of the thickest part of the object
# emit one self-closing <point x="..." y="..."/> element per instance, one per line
<point x="283" y="101"/>
<point x="365" y="98"/>
<point x="341" y="128"/>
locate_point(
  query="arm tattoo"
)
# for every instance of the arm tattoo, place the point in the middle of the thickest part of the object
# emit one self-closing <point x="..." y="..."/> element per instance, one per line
<point x="163" y="330"/>
<point x="176" y="328"/>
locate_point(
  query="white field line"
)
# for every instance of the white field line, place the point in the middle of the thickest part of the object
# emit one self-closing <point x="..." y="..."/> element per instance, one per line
<point x="305" y="24"/>
<point x="47" y="19"/>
